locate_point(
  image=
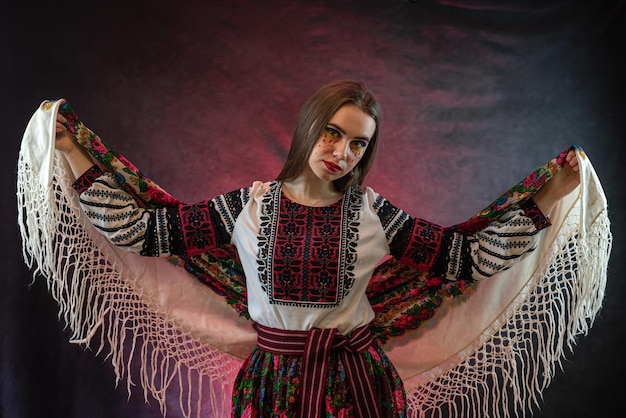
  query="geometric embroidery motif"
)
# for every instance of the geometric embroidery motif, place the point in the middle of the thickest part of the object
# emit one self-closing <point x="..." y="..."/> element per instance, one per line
<point x="532" y="211"/>
<point x="87" y="179"/>
<point x="309" y="263"/>
<point x="423" y="245"/>
<point x="198" y="230"/>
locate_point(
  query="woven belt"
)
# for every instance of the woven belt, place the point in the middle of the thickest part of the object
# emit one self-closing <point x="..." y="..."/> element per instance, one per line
<point x="315" y="346"/>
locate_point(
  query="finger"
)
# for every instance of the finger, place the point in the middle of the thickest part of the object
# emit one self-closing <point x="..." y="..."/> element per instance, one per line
<point x="571" y="158"/>
<point x="574" y="163"/>
<point x="61" y="118"/>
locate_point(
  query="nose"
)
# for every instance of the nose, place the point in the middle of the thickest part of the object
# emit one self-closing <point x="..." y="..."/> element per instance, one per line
<point x="341" y="149"/>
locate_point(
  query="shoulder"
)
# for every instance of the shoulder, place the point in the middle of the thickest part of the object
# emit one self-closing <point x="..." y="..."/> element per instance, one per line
<point x="370" y="197"/>
<point x="256" y="190"/>
<point x="261" y="187"/>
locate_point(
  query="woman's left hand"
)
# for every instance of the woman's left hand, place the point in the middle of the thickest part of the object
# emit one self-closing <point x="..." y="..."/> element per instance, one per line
<point x="562" y="184"/>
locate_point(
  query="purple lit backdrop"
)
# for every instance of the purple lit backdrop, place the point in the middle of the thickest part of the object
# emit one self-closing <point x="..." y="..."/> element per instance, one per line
<point x="204" y="97"/>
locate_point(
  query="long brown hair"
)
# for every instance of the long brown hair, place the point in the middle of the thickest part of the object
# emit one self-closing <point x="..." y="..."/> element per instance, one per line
<point x="313" y="119"/>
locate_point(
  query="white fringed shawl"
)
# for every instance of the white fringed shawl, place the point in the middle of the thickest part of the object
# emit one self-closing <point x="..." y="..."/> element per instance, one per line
<point x="484" y="355"/>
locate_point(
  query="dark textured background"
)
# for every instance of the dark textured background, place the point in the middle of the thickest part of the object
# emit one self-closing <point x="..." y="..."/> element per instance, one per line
<point x="203" y="96"/>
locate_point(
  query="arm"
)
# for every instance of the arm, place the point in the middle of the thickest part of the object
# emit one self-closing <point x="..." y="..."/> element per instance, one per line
<point x="114" y="212"/>
<point x="448" y="253"/>
<point x="127" y="223"/>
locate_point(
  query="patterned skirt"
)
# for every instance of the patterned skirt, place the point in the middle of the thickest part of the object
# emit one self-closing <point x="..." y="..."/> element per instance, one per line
<point x="268" y="385"/>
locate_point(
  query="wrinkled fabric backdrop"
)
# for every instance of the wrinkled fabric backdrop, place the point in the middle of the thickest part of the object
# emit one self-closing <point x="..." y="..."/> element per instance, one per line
<point x="203" y="96"/>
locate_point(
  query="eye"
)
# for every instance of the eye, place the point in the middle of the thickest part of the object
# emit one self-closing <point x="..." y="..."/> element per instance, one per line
<point x="359" y="145"/>
<point x="332" y="132"/>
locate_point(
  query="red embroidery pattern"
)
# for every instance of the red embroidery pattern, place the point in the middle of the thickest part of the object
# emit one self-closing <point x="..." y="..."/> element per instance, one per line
<point x="198" y="230"/>
<point x="423" y="246"/>
<point x="306" y="254"/>
<point x="532" y="211"/>
<point x="83" y="182"/>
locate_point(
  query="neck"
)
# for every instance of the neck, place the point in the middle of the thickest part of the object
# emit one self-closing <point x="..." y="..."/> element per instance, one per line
<point x="311" y="193"/>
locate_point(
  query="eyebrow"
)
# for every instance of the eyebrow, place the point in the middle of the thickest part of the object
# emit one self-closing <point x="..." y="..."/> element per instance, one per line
<point x="362" y="138"/>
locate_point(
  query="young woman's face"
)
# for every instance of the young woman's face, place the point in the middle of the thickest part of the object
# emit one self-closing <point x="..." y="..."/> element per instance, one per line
<point x="343" y="143"/>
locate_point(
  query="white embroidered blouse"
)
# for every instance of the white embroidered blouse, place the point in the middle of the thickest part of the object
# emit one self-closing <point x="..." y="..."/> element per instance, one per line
<point x="308" y="266"/>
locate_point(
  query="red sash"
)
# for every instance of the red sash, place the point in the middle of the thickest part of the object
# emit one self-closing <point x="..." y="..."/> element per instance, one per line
<point x="315" y="346"/>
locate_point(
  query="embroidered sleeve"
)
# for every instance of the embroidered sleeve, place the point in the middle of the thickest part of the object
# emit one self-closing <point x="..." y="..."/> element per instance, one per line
<point x="208" y="224"/>
<point x="494" y="248"/>
<point x="161" y="232"/>
<point x="412" y="241"/>
<point x="450" y="254"/>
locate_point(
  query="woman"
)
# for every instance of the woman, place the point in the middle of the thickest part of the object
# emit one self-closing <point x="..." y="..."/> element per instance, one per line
<point x="309" y="243"/>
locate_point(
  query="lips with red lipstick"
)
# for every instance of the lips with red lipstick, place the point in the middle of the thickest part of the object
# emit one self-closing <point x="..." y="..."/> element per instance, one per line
<point x="332" y="167"/>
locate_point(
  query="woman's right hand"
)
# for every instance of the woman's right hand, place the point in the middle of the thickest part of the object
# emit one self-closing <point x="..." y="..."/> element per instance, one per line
<point x="74" y="153"/>
<point x="64" y="141"/>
